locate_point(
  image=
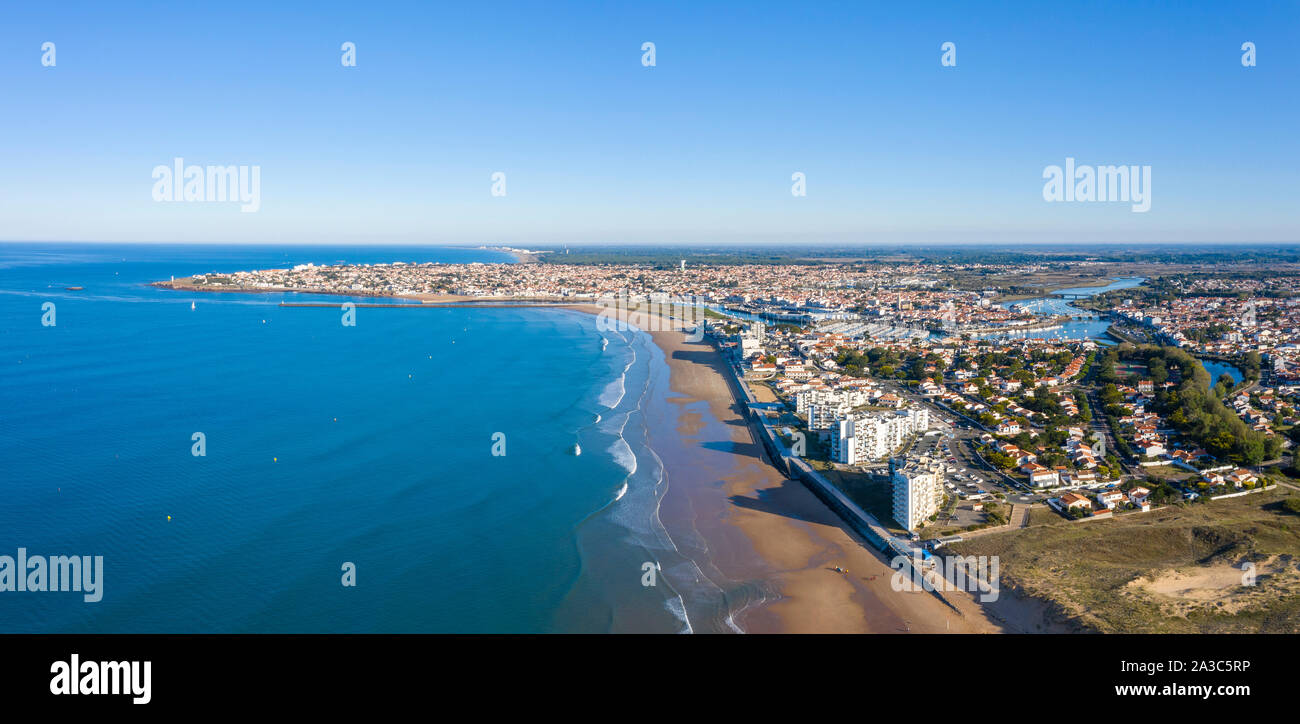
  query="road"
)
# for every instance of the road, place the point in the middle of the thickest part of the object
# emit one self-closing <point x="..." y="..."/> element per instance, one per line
<point x="1098" y="424"/>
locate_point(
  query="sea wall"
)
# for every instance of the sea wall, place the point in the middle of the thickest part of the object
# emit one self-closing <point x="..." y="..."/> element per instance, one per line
<point x="776" y="453"/>
<point x="896" y="551"/>
<point x="859" y="520"/>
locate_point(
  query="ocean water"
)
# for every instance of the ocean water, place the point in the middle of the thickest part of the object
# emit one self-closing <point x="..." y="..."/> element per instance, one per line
<point x="325" y="444"/>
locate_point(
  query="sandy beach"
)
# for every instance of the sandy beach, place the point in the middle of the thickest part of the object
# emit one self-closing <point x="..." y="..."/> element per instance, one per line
<point x="758" y="528"/>
<point x="796" y="538"/>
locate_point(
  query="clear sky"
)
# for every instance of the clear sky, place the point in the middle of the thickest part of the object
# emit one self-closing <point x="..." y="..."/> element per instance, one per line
<point x="699" y="148"/>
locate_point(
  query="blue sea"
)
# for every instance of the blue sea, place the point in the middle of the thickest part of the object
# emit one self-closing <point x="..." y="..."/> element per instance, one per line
<point x="324" y="445"/>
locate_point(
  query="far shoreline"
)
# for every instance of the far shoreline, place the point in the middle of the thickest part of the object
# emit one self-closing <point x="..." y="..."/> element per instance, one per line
<point x="795" y="540"/>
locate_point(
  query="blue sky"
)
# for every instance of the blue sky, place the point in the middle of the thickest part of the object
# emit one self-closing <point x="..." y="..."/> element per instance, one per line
<point x="699" y="148"/>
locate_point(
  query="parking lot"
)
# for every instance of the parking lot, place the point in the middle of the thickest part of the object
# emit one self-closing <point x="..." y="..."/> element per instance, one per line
<point x="954" y="444"/>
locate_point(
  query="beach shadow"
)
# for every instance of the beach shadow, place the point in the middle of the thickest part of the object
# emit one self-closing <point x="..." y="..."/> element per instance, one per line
<point x="723" y="446"/>
<point x="738" y="418"/>
<point x="709" y="357"/>
<point x="705" y="356"/>
<point x="787" y="500"/>
<point x="792" y="500"/>
<point x="743" y="449"/>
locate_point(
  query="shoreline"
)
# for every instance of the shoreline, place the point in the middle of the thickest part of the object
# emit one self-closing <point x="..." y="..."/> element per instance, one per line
<point x="761" y="529"/>
<point x="795" y="538"/>
<point x="753" y="527"/>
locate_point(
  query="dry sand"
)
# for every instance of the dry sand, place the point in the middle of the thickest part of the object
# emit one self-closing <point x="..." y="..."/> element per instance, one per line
<point x="787" y="536"/>
<point x="1221" y="586"/>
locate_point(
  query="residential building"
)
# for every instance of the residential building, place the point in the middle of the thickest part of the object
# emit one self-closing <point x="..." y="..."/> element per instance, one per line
<point x="918" y="491"/>
<point x="857" y="438"/>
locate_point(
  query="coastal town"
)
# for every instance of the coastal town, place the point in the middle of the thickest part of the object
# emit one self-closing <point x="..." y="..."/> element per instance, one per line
<point x="333" y="331"/>
<point x="932" y="408"/>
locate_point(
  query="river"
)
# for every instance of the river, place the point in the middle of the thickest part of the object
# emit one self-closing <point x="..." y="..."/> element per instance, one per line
<point x="1083" y="324"/>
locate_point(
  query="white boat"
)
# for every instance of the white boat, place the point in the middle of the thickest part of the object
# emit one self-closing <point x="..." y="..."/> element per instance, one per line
<point x="191" y="306"/>
<point x="577" y="449"/>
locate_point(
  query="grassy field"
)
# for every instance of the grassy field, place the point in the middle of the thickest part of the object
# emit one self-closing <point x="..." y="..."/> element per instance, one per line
<point x="1044" y="280"/>
<point x="1175" y="570"/>
<point x="1043" y="515"/>
<point x="873" y="495"/>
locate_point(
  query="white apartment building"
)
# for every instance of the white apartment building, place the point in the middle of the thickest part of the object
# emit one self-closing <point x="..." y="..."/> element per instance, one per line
<point x="850" y="397"/>
<point x="918" y="491"/>
<point x="875" y="435"/>
<point x="832" y="403"/>
<point x="826" y="416"/>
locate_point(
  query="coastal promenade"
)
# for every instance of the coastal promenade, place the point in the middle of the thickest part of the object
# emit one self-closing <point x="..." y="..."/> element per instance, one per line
<point x="825" y="579"/>
<point x="899" y="554"/>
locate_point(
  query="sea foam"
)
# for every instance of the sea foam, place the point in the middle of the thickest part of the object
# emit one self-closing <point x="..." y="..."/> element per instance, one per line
<point x="623" y="455"/>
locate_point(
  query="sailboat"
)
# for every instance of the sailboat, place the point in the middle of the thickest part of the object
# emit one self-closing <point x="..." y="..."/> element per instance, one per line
<point x="191" y="306"/>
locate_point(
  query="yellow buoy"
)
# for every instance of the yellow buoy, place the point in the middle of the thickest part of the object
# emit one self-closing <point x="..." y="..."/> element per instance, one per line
<point x="275" y="460"/>
<point x="169" y="517"/>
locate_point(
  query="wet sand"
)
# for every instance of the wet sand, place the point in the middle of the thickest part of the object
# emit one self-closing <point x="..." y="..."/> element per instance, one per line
<point x="761" y="526"/>
<point x="750" y="527"/>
